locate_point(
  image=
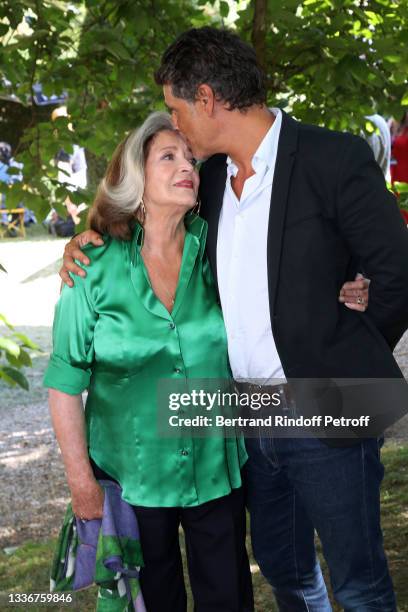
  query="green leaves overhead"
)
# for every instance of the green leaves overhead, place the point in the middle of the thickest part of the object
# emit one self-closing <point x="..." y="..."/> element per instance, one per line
<point x="327" y="61"/>
<point x="331" y="61"/>
<point x="102" y="54"/>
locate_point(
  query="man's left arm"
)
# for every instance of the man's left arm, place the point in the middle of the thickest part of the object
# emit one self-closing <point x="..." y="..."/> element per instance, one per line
<point x="373" y="227"/>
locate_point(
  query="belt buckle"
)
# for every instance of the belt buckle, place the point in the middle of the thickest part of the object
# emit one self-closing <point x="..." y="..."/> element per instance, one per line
<point x="286" y="404"/>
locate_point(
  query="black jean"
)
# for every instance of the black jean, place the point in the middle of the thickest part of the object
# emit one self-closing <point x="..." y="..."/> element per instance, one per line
<point x="217" y="559"/>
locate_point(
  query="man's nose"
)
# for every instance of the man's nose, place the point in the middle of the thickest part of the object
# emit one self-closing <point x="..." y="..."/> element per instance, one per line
<point x="174" y="121"/>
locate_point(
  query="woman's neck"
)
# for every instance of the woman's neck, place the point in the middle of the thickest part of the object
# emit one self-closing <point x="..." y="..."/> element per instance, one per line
<point x="163" y="235"/>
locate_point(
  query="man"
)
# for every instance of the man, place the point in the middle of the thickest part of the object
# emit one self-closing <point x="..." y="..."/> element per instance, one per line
<point x="294" y="211"/>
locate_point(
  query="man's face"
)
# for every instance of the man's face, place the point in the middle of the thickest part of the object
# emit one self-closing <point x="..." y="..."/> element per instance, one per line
<point x="191" y="121"/>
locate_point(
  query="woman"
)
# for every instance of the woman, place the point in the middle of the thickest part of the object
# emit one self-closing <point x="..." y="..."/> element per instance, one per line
<point x="147" y="310"/>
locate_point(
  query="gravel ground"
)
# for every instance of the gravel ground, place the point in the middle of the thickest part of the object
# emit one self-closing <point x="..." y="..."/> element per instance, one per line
<point x="33" y="490"/>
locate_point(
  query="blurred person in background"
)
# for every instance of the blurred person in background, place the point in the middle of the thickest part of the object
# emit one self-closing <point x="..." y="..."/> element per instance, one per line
<point x="72" y="172"/>
<point x="8" y="178"/>
<point x="399" y="151"/>
<point x="380" y="142"/>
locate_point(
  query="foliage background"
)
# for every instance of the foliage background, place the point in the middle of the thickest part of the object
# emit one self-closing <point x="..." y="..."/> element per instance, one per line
<point x="327" y="61"/>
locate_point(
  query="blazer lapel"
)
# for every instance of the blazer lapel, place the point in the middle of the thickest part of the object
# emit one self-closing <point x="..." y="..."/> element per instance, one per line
<point x="213" y="178"/>
<point x="280" y="190"/>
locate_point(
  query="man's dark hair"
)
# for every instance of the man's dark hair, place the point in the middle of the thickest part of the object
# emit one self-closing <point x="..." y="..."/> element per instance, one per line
<point x="218" y="58"/>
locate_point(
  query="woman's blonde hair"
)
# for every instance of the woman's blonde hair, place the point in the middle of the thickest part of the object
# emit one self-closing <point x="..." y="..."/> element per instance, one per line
<point x="120" y="192"/>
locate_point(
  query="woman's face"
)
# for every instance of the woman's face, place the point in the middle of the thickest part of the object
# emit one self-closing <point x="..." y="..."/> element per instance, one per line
<point x="170" y="178"/>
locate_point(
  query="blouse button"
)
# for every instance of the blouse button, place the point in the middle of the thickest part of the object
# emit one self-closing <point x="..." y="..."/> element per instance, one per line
<point x="184" y="453"/>
<point x="172" y="325"/>
<point x="177" y="370"/>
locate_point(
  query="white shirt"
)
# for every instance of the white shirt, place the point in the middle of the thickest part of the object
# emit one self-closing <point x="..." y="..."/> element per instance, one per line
<point x="242" y="266"/>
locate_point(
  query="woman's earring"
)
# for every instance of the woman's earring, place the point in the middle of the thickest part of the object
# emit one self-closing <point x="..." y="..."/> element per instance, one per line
<point x="142" y="215"/>
<point x="196" y="209"/>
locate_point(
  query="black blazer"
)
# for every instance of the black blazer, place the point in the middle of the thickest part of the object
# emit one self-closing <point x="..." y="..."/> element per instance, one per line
<point x="331" y="215"/>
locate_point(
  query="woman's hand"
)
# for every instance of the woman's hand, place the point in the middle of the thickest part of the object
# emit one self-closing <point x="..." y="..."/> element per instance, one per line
<point x="87" y="499"/>
<point x="73" y="251"/>
<point x="354" y="294"/>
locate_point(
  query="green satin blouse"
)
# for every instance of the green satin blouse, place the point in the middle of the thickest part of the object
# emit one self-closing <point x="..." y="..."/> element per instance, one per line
<point x="113" y="336"/>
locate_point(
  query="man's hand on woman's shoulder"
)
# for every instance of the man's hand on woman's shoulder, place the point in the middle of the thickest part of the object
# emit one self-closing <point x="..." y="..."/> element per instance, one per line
<point x="73" y="251"/>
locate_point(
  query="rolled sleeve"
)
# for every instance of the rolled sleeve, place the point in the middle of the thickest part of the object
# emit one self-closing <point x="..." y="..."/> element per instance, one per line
<point x="70" y="367"/>
<point x="65" y="377"/>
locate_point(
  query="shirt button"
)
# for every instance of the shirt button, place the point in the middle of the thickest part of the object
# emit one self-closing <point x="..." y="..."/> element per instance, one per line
<point x="184" y="453"/>
<point x="177" y="370"/>
<point x="172" y="325"/>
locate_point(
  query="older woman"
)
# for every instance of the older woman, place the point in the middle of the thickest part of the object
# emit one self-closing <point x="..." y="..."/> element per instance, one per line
<point x="147" y="310"/>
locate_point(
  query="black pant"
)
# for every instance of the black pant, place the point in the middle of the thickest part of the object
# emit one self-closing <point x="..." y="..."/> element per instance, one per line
<point x="216" y="555"/>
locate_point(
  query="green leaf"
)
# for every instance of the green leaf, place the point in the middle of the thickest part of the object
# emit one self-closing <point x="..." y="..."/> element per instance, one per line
<point x="393" y="59"/>
<point x="25" y="359"/>
<point x="17" y="376"/>
<point x="401" y="187"/>
<point x="118" y="50"/>
<point x="14" y="361"/>
<point x="25" y="341"/>
<point x="404" y="100"/>
<point x="374" y="18"/>
<point x="80" y="196"/>
<point x="224" y="9"/>
<point x="10" y="381"/>
<point x="9" y="346"/>
<point x="5" y="321"/>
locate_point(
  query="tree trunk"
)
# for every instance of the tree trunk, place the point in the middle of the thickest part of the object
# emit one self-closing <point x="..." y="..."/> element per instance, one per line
<point x="259" y="30"/>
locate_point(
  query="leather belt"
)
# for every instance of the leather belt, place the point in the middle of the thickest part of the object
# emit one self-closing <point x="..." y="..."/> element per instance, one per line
<point x="283" y="389"/>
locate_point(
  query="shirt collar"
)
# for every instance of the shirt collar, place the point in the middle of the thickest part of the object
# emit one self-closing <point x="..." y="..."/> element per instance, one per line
<point x="262" y="158"/>
<point x="195" y="225"/>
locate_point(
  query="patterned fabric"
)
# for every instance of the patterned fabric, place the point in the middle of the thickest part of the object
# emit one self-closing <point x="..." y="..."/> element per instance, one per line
<point x="103" y="551"/>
